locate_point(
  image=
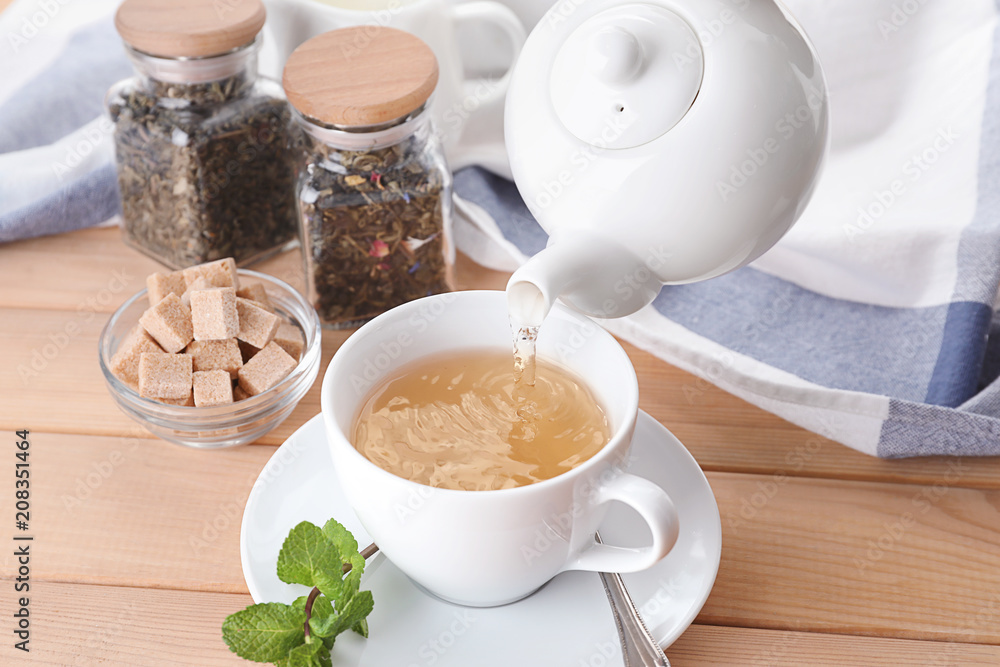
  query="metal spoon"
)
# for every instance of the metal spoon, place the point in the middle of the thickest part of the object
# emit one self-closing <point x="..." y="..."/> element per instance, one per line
<point x="638" y="646"/>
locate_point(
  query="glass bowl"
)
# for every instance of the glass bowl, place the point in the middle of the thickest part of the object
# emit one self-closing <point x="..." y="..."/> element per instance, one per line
<point x="225" y="425"/>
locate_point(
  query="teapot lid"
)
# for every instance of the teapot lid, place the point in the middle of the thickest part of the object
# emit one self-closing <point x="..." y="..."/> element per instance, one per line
<point x="626" y="75"/>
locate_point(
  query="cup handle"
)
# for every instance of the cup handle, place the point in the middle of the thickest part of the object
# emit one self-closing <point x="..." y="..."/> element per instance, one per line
<point x="507" y="21"/>
<point x="654" y="506"/>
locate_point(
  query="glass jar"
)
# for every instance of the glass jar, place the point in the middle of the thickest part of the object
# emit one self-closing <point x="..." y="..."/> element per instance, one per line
<point x="375" y="220"/>
<point x="374" y="200"/>
<point x="204" y="155"/>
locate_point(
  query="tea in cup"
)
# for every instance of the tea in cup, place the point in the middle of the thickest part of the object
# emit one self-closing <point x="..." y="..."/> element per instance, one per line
<point x="421" y="416"/>
<point x="462" y="421"/>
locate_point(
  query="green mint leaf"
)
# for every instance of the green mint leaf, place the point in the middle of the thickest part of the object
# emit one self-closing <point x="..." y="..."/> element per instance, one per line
<point x="308" y="655"/>
<point x="347" y="546"/>
<point x="352" y="613"/>
<point x="338" y="590"/>
<point x="325" y="626"/>
<point x="334" y="583"/>
<point x="306" y="552"/>
<point x="322" y="610"/>
<point x="321" y="618"/>
<point x="264" y="632"/>
<point x="321" y="605"/>
<point x="361" y="627"/>
<point x="355" y="613"/>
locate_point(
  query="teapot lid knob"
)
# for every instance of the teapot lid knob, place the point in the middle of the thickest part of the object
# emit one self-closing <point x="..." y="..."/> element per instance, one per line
<point x="626" y="75"/>
<point x="615" y="55"/>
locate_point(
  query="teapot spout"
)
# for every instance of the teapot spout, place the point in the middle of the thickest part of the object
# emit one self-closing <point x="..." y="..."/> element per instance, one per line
<point x="594" y="276"/>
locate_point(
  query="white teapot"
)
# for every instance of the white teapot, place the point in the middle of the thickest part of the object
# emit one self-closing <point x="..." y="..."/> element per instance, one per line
<point x="658" y="142"/>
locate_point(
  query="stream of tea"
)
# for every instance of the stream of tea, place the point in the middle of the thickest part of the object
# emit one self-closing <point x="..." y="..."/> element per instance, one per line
<point x="525" y="339"/>
<point x="524" y="355"/>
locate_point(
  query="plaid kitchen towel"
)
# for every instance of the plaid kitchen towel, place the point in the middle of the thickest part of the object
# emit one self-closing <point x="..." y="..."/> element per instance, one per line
<point x="872" y="322"/>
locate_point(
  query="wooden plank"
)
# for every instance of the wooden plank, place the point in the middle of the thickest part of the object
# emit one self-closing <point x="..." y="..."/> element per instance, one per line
<point x="713" y="646"/>
<point x="95" y="272"/>
<point x="799" y="554"/>
<point x="138" y="512"/>
<point x="105" y="272"/>
<point x="51" y="360"/>
<point x="862" y="558"/>
<point x="785" y="449"/>
<point x="75" y="624"/>
<point x="50" y="377"/>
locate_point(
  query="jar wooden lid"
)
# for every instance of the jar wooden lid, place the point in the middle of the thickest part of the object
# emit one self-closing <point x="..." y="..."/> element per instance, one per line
<point x="366" y="75"/>
<point x="189" y="28"/>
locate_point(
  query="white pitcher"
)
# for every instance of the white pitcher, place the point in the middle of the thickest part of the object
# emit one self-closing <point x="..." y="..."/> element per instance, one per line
<point x="468" y="114"/>
<point x="658" y="142"/>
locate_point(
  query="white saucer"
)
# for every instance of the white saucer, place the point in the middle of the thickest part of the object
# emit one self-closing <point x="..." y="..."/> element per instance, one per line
<point x="567" y="622"/>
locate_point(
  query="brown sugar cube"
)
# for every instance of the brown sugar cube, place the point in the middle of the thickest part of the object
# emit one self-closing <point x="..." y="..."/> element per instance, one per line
<point x="257" y="326"/>
<point x="169" y="323"/>
<point x="289" y="337"/>
<point x="125" y="362"/>
<point x="212" y="388"/>
<point x="267" y="368"/>
<point x="213" y="313"/>
<point x="159" y="285"/>
<point x="164" y="375"/>
<point x="239" y="393"/>
<point x="221" y="273"/>
<point x="213" y="355"/>
<point x="256" y="292"/>
<point x="198" y="284"/>
<point x="247" y="350"/>
<point x="187" y="402"/>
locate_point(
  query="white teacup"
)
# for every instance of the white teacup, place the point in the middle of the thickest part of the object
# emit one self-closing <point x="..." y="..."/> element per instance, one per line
<point x="472" y="109"/>
<point x="484" y="548"/>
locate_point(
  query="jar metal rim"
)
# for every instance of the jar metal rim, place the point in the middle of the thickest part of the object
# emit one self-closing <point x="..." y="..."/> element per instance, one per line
<point x="365" y="137"/>
<point x="197" y="69"/>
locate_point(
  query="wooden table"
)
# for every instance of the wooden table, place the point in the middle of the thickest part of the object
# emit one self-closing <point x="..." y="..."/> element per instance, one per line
<point x="135" y="558"/>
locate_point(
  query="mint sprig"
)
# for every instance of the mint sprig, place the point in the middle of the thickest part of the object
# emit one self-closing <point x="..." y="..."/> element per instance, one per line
<point x="301" y="634"/>
<point x="264" y="632"/>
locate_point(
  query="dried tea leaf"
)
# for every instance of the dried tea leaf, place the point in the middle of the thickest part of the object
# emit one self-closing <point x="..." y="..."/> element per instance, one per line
<point x="205" y="171"/>
<point x="374" y="227"/>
